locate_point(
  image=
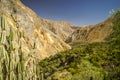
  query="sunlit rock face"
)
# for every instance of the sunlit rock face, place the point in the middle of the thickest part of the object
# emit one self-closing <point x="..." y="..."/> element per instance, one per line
<point x="92" y="33"/>
<point x="61" y="29"/>
<point x="36" y="31"/>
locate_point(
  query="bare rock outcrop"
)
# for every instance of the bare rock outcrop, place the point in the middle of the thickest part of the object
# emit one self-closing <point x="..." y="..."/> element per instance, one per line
<point x="92" y="33"/>
<point x="20" y="16"/>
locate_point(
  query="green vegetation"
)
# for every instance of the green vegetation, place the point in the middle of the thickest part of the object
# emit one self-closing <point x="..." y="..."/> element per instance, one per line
<point x="87" y="61"/>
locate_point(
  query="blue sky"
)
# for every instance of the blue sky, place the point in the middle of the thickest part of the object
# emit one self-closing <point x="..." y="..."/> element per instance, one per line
<point x="77" y="12"/>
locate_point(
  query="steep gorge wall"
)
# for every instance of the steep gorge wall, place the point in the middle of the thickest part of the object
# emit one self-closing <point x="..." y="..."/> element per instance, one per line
<point x="92" y="33"/>
<point x="20" y="16"/>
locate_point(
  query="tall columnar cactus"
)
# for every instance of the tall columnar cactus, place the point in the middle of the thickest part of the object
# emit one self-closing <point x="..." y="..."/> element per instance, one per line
<point x="42" y="75"/>
<point x="12" y="76"/>
<point x="11" y="38"/>
<point x="11" y="34"/>
<point x="3" y="22"/>
<point x="7" y="71"/>
<point x="3" y="52"/>
<point x="3" y="27"/>
<point x="3" y="37"/>
<point x="20" y="35"/>
<point x="10" y="69"/>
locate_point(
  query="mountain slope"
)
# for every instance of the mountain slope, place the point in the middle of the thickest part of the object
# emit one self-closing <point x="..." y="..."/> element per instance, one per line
<point x="87" y="61"/>
<point x="92" y="33"/>
<point x="20" y="16"/>
<point x="61" y="29"/>
<point x="26" y="39"/>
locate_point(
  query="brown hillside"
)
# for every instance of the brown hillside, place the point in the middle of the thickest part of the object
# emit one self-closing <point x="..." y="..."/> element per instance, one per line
<point x="33" y="27"/>
<point x="92" y="33"/>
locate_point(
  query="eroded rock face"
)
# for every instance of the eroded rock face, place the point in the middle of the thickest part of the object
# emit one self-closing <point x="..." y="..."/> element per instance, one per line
<point x="46" y="36"/>
<point x="61" y="29"/>
<point x="92" y="33"/>
<point x="35" y="33"/>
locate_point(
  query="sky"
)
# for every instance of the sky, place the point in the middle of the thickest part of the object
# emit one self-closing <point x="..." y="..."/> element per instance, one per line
<point x="77" y="12"/>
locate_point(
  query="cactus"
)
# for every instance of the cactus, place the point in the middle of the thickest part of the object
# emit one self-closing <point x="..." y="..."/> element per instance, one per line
<point x="19" y="34"/>
<point x="3" y="26"/>
<point x="22" y="66"/>
<point x="34" y="68"/>
<point x="19" y="76"/>
<point x="11" y="34"/>
<point x="11" y="37"/>
<point x="11" y="66"/>
<point x="6" y="62"/>
<point x="3" y="22"/>
<point x="3" y="54"/>
<point x="11" y="56"/>
<point x="42" y="76"/>
<point x="12" y="76"/>
<point x="19" y="68"/>
<point x="10" y="69"/>
<point x="12" y="48"/>
<point x="3" y="37"/>
<point x="1" y="76"/>
<point x="19" y="43"/>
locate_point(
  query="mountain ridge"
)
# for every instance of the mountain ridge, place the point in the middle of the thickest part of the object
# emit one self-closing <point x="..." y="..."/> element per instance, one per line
<point x="33" y="48"/>
<point x="50" y="31"/>
<point x="92" y="33"/>
<point x="23" y="17"/>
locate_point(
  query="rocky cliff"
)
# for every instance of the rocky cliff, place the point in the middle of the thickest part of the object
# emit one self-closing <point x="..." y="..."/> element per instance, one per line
<point x="61" y="29"/>
<point x="26" y="38"/>
<point x="92" y="33"/>
<point x="46" y="36"/>
<point x="33" y="27"/>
